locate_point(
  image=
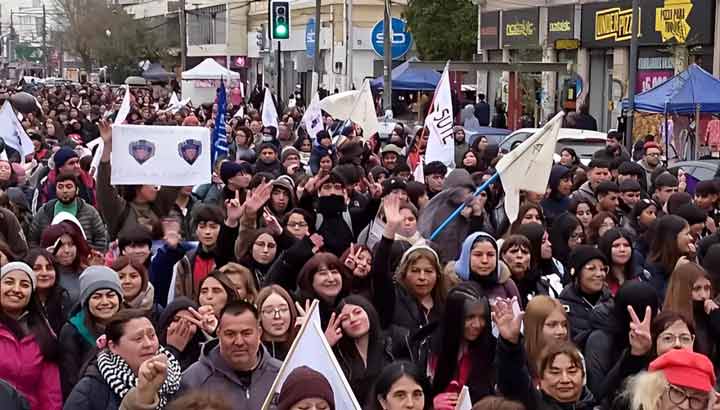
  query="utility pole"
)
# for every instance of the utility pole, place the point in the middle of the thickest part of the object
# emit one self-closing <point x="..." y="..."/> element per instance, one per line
<point x="183" y="36"/>
<point x="11" y="40"/>
<point x="44" y="42"/>
<point x="349" y="46"/>
<point x="387" y="56"/>
<point x="279" y="73"/>
<point x="633" y="76"/>
<point x="318" y="63"/>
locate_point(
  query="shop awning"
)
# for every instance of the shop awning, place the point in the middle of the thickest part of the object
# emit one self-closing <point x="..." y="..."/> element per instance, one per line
<point x="406" y="78"/>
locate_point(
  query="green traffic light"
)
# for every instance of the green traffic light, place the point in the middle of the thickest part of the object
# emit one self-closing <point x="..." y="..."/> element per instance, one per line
<point x="281" y="30"/>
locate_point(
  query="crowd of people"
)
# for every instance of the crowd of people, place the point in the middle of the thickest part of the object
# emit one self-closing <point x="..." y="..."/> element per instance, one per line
<point x="602" y="294"/>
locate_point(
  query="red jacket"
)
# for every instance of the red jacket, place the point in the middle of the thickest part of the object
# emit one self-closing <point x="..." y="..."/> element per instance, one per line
<point x="22" y="365"/>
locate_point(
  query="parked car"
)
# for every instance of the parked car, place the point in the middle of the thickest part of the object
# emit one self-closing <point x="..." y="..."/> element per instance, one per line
<point x="584" y="142"/>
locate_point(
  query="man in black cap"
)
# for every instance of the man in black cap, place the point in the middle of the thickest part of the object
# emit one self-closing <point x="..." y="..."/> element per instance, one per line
<point x="634" y="171"/>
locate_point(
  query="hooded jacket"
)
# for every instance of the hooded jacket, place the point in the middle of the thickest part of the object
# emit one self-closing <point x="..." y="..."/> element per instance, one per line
<point x="555" y="204"/>
<point x="497" y="284"/>
<point x="585" y="192"/>
<point x="212" y="372"/>
<point x="579" y="311"/>
<point x="192" y="351"/>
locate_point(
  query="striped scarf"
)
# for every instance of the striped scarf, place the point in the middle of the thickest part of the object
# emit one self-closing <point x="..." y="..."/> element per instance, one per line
<point x="118" y="375"/>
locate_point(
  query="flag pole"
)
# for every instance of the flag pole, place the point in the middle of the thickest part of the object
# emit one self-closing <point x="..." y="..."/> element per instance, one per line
<point x="429" y="110"/>
<point x="462" y="206"/>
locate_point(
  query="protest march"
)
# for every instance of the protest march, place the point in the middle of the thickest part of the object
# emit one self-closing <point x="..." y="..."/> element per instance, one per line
<point x="156" y="253"/>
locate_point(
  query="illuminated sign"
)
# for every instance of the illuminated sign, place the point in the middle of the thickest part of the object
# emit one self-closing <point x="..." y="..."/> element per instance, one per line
<point x="614" y="23"/>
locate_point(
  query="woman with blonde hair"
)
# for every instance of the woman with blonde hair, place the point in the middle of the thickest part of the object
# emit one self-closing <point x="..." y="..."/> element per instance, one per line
<point x="679" y="379"/>
<point x="278" y="318"/>
<point x="691" y="293"/>
<point x="243" y="280"/>
<point x="545" y="322"/>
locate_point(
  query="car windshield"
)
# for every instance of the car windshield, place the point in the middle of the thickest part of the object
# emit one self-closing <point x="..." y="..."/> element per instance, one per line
<point x="583" y="148"/>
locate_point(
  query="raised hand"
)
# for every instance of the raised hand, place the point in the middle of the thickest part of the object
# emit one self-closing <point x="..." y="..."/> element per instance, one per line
<point x="302" y="313"/>
<point x="445" y="401"/>
<point x="506" y="321"/>
<point x="640" y="338"/>
<point x="179" y="333"/>
<point x="333" y="333"/>
<point x="710" y="305"/>
<point x="258" y="199"/>
<point x="105" y="131"/>
<point x="233" y="209"/>
<point x="393" y="217"/>
<point x="318" y="242"/>
<point x="374" y="188"/>
<point x="272" y="223"/>
<point x="315" y="183"/>
<point x="204" y="318"/>
<point x="151" y="376"/>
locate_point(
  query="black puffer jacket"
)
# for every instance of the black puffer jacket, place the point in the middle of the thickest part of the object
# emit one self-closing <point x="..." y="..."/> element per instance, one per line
<point x="579" y="310"/>
<point x="92" y="393"/>
<point x="10" y="399"/>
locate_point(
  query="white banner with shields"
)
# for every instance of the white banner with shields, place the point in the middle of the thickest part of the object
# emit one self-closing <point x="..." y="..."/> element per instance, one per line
<point x="160" y="155"/>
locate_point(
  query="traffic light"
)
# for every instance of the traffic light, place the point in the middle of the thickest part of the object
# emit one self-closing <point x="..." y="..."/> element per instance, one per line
<point x="280" y="20"/>
<point x="261" y="37"/>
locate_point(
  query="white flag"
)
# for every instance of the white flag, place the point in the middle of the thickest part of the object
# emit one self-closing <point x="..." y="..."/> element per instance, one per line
<point x="340" y="105"/>
<point x="12" y="131"/>
<point x="124" y="107"/>
<point x="311" y="349"/>
<point x="160" y="155"/>
<point x="419" y="172"/>
<point x="527" y="167"/>
<point x="464" y="400"/>
<point x="441" y="143"/>
<point x="240" y="112"/>
<point x="173" y="100"/>
<point x="269" y="113"/>
<point x="312" y="118"/>
<point x="363" y="112"/>
<point x="98" y="154"/>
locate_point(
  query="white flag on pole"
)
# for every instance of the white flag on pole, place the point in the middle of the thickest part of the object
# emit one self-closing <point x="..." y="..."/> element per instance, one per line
<point x="12" y="131"/>
<point x="312" y="118"/>
<point x="527" y="167"/>
<point x="441" y="143"/>
<point x="160" y="155"/>
<point x="340" y="105"/>
<point x="173" y="100"/>
<point x="464" y="400"/>
<point x="124" y="107"/>
<point x="269" y="113"/>
<point x="363" y="112"/>
<point x="240" y="112"/>
<point x="419" y="172"/>
<point x="311" y="349"/>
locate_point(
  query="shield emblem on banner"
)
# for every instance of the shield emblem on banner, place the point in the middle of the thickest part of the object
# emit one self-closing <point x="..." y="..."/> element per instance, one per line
<point x="190" y="150"/>
<point x="141" y="150"/>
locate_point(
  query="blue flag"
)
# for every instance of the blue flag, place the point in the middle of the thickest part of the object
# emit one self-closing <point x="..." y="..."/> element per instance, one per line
<point x="219" y="135"/>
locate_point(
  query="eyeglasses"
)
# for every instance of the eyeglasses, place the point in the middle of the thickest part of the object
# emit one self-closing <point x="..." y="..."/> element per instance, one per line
<point x="271" y="311"/>
<point x="685" y="339"/>
<point x="678" y="396"/>
<point x="297" y="225"/>
<point x="653" y="154"/>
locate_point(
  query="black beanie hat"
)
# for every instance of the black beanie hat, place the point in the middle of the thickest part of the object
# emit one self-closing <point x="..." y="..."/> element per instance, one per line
<point x="393" y="183"/>
<point x="305" y="383"/>
<point x="691" y="213"/>
<point x="581" y="255"/>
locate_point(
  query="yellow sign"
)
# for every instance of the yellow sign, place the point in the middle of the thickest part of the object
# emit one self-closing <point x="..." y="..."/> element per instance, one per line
<point x="560" y="26"/>
<point x="671" y="20"/>
<point x="614" y="23"/>
<point x="520" y="29"/>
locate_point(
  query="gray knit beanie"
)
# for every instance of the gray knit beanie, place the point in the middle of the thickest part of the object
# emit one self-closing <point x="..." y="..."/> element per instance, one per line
<point x="96" y="278"/>
<point x="21" y="266"/>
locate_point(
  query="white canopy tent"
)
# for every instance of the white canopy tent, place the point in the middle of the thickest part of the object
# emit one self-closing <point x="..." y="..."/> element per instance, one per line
<point x="200" y="82"/>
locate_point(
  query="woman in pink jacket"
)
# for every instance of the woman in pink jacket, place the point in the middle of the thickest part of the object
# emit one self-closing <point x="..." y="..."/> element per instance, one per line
<point x="28" y="348"/>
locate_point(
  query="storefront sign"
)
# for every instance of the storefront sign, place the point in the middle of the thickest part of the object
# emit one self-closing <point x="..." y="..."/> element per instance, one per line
<point x="647" y="79"/>
<point x="489" y="30"/>
<point x="561" y="23"/>
<point x="660" y="22"/>
<point x="520" y="28"/>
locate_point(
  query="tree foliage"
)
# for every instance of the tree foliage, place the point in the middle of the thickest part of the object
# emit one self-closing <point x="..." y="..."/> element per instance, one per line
<point x="444" y="29"/>
<point x="103" y="35"/>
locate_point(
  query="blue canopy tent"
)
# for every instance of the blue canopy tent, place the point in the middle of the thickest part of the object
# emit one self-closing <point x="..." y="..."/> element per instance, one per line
<point x="405" y="78"/>
<point x="690" y="92"/>
<point x="682" y="94"/>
